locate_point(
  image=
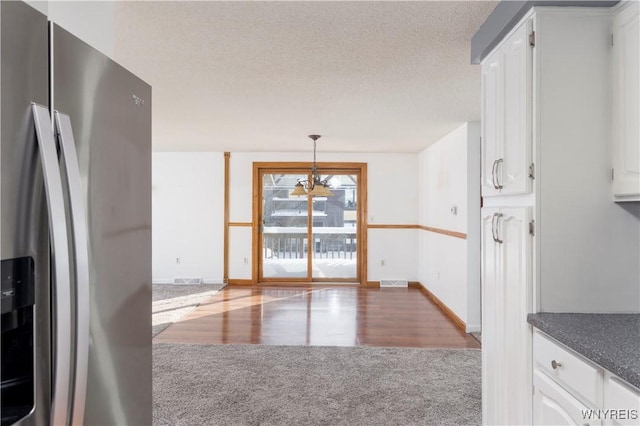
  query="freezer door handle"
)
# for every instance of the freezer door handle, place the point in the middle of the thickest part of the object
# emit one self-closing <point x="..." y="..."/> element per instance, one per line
<point x="60" y="259"/>
<point x="80" y="252"/>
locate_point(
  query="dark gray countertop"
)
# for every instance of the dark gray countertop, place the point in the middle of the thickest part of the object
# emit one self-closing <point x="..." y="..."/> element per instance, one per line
<point x="609" y="340"/>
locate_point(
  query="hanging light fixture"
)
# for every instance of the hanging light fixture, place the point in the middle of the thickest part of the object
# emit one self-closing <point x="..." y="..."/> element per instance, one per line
<point x="315" y="186"/>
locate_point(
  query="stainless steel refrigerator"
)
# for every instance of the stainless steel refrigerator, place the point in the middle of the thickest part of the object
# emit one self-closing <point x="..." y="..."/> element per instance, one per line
<point x="75" y="230"/>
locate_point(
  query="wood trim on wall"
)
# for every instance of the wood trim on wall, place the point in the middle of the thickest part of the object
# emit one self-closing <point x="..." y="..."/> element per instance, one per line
<point x="243" y="282"/>
<point x="444" y="232"/>
<point x="364" y="214"/>
<point x="225" y="272"/>
<point x="248" y="224"/>
<point x="383" y="226"/>
<point x="307" y="165"/>
<point x="448" y="312"/>
<point x="255" y="215"/>
<point x="424" y="228"/>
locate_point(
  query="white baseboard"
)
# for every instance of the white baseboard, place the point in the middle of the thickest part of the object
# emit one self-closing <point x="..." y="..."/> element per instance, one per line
<point x="473" y="328"/>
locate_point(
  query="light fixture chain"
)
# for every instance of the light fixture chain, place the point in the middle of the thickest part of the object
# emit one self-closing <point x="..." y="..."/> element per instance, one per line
<point x="314" y="170"/>
<point x="306" y="186"/>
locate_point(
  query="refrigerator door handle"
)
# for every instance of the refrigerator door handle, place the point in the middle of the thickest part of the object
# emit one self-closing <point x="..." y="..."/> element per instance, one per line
<point x="60" y="259"/>
<point x="80" y="252"/>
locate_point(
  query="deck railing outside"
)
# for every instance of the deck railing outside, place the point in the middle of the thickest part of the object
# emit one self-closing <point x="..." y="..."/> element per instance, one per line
<point x="292" y="243"/>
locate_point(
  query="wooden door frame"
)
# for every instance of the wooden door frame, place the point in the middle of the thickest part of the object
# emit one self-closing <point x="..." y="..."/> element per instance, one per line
<point x="359" y="169"/>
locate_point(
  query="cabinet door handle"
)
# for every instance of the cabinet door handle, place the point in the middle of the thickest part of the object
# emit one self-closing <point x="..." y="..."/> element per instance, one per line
<point x="498" y="185"/>
<point x="497" y="237"/>
<point x="493" y="174"/>
<point x="555" y="364"/>
<point x="493" y="227"/>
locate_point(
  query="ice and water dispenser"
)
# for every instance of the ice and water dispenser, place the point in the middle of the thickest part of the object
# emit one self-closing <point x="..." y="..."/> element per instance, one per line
<point x="17" y="376"/>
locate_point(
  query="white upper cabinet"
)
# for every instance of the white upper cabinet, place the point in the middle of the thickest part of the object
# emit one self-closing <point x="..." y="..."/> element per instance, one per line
<point x="506" y="136"/>
<point x="626" y="103"/>
<point x="490" y="123"/>
<point x="513" y="173"/>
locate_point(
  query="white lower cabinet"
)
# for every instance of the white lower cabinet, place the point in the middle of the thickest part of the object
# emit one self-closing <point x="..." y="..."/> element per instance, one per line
<point x="577" y="375"/>
<point x="506" y="339"/>
<point x="570" y="390"/>
<point x="623" y="399"/>
<point x="553" y="405"/>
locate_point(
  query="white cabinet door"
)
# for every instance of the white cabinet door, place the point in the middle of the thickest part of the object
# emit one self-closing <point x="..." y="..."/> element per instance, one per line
<point x="552" y="405"/>
<point x="492" y="320"/>
<point x="506" y="338"/>
<point x="626" y="104"/>
<point x="506" y="116"/>
<point x="491" y="119"/>
<point x="515" y="158"/>
<point x="513" y="229"/>
<point x="623" y="398"/>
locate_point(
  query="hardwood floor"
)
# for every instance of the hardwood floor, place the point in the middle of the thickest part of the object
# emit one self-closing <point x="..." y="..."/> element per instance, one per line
<point x="319" y="316"/>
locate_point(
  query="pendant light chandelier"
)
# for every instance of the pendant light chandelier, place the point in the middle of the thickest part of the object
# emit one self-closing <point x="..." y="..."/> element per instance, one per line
<point x="315" y="186"/>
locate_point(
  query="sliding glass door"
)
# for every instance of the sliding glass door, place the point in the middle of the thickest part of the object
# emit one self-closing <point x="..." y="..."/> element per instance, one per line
<point x="334" y="234"/>
<point x="308" y="238"/>
<point x="285" y="228"/>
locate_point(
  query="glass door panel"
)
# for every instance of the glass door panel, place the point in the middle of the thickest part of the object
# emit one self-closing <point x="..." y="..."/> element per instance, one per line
<point x="334" y="230"/>
<point x="285" y="228"/>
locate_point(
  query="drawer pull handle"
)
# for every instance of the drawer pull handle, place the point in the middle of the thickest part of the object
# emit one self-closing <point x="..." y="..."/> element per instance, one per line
<point x="555" y="364"/>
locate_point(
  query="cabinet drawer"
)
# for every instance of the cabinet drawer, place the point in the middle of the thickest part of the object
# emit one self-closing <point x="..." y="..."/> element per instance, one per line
<point x="623" y="399"/>
<point x="571" y="371"/>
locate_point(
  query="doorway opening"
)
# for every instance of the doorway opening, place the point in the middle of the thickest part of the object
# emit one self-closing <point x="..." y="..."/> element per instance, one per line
<point x="309" y="238"/>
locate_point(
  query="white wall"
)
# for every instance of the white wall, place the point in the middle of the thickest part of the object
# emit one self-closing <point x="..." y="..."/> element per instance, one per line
<point x="188" y="209"/>
<point x="392" y="254"/>
<point x="188" y="212"/>
<point x="449" y="267"/>
<point x="392" y="199"/>
<point x="188" y="194"/>
<point x="91" y="21"/>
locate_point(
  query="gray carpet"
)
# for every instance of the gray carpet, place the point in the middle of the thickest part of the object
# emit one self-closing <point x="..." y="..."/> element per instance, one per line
<point x="173" y="301"/>
<point x="302" y="385"/>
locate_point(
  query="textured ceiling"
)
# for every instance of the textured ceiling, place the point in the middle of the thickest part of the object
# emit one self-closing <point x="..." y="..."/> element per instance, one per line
<point x="261" y="76"/>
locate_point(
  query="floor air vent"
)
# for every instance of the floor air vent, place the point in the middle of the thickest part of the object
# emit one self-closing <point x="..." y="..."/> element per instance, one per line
<point x="394" y="283"/>
<point x="187" y="280"/>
